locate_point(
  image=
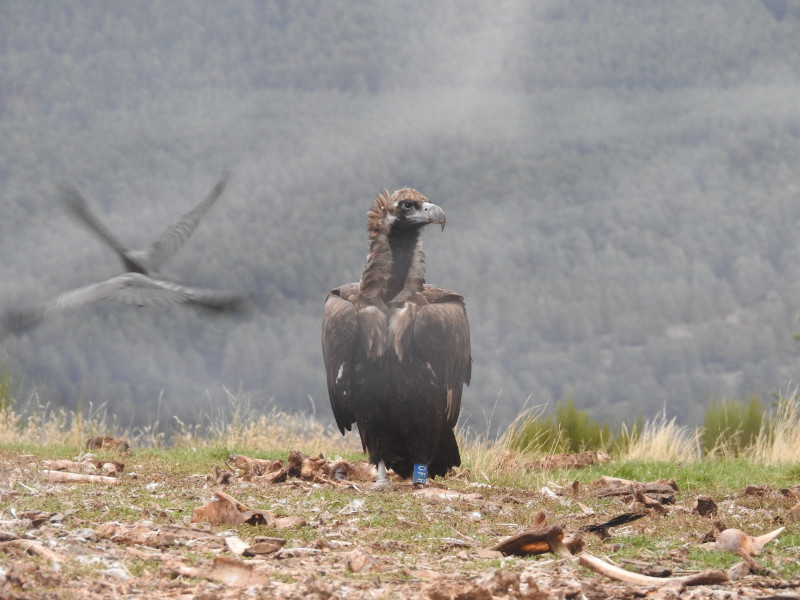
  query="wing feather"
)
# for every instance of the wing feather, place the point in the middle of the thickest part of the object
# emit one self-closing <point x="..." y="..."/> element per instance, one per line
<point x="174" y="236"/>
<point x="132" y="289"/>
<point x="441" y="337"/>
<point x="339" y="330"/>
<point x="79" y="209"/>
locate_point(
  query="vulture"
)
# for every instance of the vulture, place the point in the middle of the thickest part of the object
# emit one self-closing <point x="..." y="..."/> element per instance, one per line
<point x="141" y="284"/>
<point x="397" y="350"/>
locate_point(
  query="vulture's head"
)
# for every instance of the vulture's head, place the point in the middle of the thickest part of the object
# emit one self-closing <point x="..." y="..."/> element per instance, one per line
<point x="407" y="208"/>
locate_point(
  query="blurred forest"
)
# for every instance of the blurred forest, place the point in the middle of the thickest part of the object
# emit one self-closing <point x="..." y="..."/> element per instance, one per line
<point x="621" y="181"/>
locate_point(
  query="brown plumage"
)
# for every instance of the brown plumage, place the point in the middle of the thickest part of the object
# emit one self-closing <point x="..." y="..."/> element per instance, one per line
<point x="397" y="351"/>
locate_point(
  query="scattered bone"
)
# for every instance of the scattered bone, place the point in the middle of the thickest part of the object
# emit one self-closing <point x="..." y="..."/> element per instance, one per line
<point x="572" y="460"/>
<point x="32" y="547"/>
<point x="137" y="554"/>
<point x="641" y="502"/>
<point x="277" y="476"/>
<point x="256" y="467"/>
<point x="662" y="491"/>
<point x="297" y="552"/>
<point x="86" y="466"/>
<point x="734" y="539"/>
<point x="647" y="568"/>
<point x="792" y="492"/>
<point x="794" y="514"/>
<point x="602" y="567"/>
<point x="236" y="545"/>
<point x="497" y="584"/>
<point x="112" y="467"/>
<point x="37" y="518"/>
<point x="742" y="569"/>
<point x="359" y="470"/>
<point x="227" y="570"/>
<point x="741" y="544"/>
<point x="488" y="553"/>
<point x="449" y="542"/>
<point x="290" y="522"/>
<point x="313" y="468"/>
<point x="263" y="545"/>
<point x="107" y="443"/>
<point x="156" y="536"/>
<point x="756" y="490"/>
<point x="438" y="494"/>
<point x="294" y="464"/>
<point x="64" y="464"/>
<point x="705" y="506"/>
<point x="66" y="477"/>
<point x="308" y="468"/>
<point x="228" y="510"/>
<point x="361" y="561"/>
<point x="223" y="476"/>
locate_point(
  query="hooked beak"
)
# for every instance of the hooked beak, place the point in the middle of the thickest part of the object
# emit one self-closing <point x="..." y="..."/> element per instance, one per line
<point x="430" y="213"/>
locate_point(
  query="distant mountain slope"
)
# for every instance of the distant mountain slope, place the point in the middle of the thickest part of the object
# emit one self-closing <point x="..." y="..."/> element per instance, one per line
<point x="621" y="183"/>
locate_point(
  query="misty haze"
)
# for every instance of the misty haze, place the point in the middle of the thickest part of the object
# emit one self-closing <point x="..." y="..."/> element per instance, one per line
<point x="621" y="182"/>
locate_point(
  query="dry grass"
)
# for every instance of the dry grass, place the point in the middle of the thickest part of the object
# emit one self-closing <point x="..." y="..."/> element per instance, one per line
<point x="663" y="440"/>
<point x="778" y="441"/>
<point x="239" y="425"/>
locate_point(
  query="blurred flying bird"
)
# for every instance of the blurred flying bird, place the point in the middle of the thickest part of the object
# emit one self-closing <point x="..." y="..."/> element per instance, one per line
<point x="397" y="351"/>
<point x="149" y="260"/>
<point x="141" y="285"/>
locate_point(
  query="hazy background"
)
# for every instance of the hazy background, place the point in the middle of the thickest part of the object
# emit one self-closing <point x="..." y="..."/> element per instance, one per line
<point x="621" y="181"/>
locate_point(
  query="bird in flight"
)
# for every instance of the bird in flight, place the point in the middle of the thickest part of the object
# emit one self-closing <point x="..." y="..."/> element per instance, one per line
<point x="142" y="283"/>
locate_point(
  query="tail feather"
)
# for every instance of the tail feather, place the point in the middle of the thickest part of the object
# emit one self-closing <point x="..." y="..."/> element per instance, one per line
<point x="447" y="454"/>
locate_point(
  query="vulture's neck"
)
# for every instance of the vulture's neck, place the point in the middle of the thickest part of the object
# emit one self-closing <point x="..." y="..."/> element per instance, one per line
<point x="396" y="263"/>
<point x="408" y="263"/>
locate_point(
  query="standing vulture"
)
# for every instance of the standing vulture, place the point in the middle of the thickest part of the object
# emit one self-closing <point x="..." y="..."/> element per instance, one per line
<point x="141" y="284"/>
<point x="396" y="350"/>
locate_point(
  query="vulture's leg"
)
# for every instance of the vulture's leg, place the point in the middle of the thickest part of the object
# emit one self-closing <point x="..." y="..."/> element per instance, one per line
<point x="381" y="480"/>
<point x="420" y="476"/>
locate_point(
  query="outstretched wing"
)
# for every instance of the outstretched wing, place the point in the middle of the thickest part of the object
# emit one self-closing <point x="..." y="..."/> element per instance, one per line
<point x="339" y="330"/>
<point x="174" y="236"/>
<point x="77" y="205"/>
<point x="441" y="338"/>
<point x="131" y="288"/>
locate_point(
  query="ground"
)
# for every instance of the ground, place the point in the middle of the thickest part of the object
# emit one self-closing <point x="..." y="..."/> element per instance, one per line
<point x="134" y="530"/>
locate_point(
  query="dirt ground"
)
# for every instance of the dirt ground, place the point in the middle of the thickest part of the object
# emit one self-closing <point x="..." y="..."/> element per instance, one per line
<point x="129" y="527"/>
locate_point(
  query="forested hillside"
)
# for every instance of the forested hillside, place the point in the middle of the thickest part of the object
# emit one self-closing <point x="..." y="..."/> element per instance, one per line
<point x="621" y="182"/>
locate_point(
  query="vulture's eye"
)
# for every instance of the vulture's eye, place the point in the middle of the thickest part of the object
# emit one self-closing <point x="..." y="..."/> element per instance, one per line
<point x="406" y="205"/>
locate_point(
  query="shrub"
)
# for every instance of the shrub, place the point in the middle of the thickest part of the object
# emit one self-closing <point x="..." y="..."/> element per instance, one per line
<point x="732" y="426"/>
